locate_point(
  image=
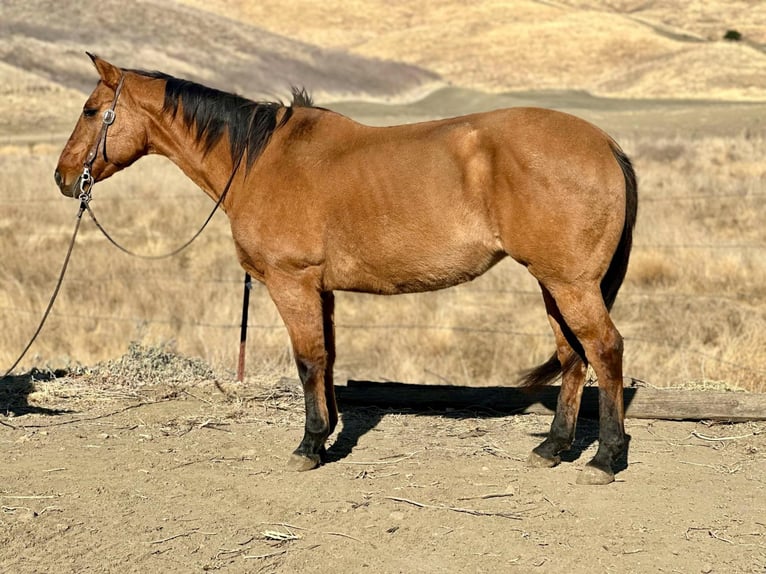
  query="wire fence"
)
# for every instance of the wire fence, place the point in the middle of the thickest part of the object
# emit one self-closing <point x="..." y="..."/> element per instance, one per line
<point x="340" y="326"/>
<point x="742" y="298"/>
<point x="738" y="299"/>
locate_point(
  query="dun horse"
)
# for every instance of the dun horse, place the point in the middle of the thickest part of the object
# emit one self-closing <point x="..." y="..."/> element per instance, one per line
<point x="322" y="203"/>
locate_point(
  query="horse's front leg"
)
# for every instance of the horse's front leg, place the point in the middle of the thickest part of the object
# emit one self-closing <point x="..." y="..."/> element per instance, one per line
<point x="306" y="313"/>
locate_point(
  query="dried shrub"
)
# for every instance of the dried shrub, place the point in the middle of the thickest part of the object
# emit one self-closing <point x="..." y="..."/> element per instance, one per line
<point x="150" y="365"/>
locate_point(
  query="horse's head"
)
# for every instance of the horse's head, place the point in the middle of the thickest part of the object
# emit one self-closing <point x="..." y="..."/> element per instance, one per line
<point x="109" y="136"/>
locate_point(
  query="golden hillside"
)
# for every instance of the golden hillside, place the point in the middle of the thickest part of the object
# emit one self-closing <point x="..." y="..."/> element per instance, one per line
<point x="383" y="51"/>
<point x="622" y="48"/>
<point x="44" y="71"/>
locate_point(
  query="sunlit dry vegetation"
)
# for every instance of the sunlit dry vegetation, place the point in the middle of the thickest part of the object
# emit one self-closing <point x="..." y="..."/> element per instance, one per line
<point x="692" y="310"/>
<point x="692" y="307"/>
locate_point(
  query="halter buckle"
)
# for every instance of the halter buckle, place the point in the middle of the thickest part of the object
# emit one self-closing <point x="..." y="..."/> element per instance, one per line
<point x="109" y="117"/>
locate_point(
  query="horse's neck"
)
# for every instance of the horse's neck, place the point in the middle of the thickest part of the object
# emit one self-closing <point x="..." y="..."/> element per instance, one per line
<point x="210" y="171"/>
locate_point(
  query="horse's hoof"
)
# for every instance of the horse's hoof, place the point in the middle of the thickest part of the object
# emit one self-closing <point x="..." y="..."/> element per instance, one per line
<point x="534" y="460"/>
<point x="301" y="462"/>
<point x="594" y="475"/>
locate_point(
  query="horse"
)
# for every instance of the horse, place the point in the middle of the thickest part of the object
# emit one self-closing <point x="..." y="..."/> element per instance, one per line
<point x="318" y="203"/>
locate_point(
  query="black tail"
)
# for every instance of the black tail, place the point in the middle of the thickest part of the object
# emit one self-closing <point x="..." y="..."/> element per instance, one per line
<point x="610" y="284"/>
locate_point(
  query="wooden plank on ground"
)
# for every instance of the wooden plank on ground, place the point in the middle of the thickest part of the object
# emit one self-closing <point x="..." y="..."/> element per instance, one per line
<point x="640" y="402"/>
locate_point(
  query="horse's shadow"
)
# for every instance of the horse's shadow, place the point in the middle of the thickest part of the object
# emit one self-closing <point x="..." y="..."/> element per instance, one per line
<point x="15" y="391"/>
<point x="363" y="404"/>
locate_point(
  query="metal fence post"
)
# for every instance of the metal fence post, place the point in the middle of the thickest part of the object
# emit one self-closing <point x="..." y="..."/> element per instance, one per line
<point x="243" y="329"/>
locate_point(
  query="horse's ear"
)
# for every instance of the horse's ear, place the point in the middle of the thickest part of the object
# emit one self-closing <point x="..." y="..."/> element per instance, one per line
<point x="109" y="73"/>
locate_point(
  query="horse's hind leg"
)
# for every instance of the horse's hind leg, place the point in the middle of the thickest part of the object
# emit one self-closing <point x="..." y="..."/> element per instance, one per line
<point x="328" y="323"/>
<point x="585" y="313"/>
<point x="562" y="432"/>
<point x="307" y="314"/>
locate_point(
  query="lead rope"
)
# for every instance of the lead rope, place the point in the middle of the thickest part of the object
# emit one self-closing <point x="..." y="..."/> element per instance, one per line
<point x="84" y="198"/>
<point x="86" y="185"/>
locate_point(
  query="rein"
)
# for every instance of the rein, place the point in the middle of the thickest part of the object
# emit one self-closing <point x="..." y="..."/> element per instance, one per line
<point x="87" y="182"/>
<point x="178" y="249"/>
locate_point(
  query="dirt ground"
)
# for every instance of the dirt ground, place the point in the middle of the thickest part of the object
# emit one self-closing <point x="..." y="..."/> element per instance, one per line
<point x="191" y="477"/>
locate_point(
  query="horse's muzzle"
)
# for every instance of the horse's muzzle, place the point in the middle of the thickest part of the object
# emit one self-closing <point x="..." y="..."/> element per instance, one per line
<point x="70" y="190"/>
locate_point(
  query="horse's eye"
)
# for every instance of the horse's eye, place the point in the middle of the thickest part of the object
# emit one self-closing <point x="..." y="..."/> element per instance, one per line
<point x="90" y="112"/>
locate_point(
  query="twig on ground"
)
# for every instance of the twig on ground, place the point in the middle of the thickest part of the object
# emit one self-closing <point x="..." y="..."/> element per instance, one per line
<point x="721" y="438"/>
<point x="223" y="552"/>
<point x="15" y="508"/>
<point x="712" y="533"/>
<point x="341" y="534"/>
<point x="487" y="496"/>
<point x="184" y="391"/>
<point x="277" y="553"/>
<point x="669" y="441"/>
<point x="378" y="462"/>
<point x="715" y="535"/>
<point x="29" y="497"/>
<point x="471" y="511"/>
<point x="283" y="525"/>
<point x="211" y="424"/>
<point x="717" y="467"/>
<point x="181" y="535"/>
<point x="264" y="556"/>
<point x="280" y="536"/>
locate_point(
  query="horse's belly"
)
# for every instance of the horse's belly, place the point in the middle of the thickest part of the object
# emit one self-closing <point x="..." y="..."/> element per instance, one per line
<point x="408" y="266"/>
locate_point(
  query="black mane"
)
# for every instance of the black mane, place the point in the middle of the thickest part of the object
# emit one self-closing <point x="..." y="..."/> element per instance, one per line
<point x="250" y="124"/>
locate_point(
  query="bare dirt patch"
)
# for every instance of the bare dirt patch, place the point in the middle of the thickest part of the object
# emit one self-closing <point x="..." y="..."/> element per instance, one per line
<point x="190" y="476"/>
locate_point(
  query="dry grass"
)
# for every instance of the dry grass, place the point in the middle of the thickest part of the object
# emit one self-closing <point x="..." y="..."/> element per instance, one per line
<point x="691" y="310"/>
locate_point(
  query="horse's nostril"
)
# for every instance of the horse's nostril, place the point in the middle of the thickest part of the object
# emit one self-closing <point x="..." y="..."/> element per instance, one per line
<point x="57" y="177"/>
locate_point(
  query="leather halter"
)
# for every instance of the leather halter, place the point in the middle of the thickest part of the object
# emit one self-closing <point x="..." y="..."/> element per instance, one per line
<point x="86" y="179"/>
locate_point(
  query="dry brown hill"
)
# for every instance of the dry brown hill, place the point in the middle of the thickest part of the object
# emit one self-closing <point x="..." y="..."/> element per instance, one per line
<point x="620" y="48"/>
<point x="369" y="49"/>
<point x="43" y="67"/>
